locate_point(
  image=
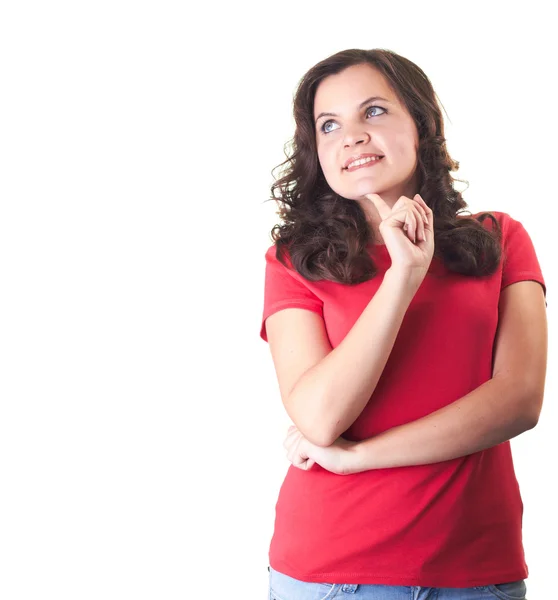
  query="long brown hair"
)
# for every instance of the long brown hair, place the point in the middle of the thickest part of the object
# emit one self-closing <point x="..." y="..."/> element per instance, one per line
<point x="325" y="234"/>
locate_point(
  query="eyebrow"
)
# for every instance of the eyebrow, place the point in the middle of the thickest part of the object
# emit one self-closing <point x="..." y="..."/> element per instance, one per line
<point x="361" y="105"/>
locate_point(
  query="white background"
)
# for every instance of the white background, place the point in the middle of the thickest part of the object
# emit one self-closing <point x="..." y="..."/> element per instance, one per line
<point x="141" y="427"/>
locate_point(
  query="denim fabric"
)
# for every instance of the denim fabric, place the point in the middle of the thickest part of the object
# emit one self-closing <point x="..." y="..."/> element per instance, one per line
<point x="283" y="587"/>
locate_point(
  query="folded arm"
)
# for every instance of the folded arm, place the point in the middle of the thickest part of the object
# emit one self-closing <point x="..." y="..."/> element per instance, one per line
<point x="324" y="390"/>
<point x="500" y="409"/>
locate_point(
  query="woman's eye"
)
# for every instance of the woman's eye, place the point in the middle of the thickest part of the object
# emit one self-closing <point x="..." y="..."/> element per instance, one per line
<point x="372" y="107"/>
<point x="326" y="129"/>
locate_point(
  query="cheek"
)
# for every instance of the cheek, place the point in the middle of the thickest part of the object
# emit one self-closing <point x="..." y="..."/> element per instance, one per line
<point x="327" y="159"/>
<point x="405" y="144"/>
<point x="404" y="150"/>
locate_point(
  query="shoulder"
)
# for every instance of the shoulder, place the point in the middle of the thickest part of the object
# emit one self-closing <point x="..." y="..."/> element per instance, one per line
<point x="504" y="219"/>
<point x="500" y="216"/>
<point x="272" y="257"/>
<point x="281" y="265"/>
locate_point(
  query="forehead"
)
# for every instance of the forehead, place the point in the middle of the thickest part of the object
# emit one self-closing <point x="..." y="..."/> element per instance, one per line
<point x="344" y="91"/>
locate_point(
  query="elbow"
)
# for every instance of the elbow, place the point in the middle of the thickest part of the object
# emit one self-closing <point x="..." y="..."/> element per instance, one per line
<point x="531" y="420"/>
<point x="309" y="420"/>
<point x="321" y="432"/>
<point x="524" y="399"/>
<point x="317" y="433"/>
<point x="330" y="434"/>
<point x="532" y="424"/>
<point x="532" y="409"/>
<point x="326" y="440"/>
<point x="318" y="436"/>
<point x="524" y="422"/>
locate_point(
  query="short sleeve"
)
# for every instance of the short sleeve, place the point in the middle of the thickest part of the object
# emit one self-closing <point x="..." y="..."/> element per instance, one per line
<point x="520" y="262"/>
<point x="285" y="288"/>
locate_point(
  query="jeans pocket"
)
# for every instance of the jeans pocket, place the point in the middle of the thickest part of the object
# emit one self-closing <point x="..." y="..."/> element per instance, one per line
<point x="515" y="590"/>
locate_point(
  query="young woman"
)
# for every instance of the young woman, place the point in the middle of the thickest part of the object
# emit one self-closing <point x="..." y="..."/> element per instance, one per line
<point x="409" y="343"/>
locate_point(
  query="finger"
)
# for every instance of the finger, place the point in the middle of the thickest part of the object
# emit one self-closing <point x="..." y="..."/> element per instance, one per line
<point x="292" y="446"/>
<point x="383" y="208"/>
<point x="398" y="218"/>
<point x="289" y="439"/>
<point x="294" y="455"/>
<point x="420" y="223"/>
<point x="422" y="211"/>
<point x="286" y="441"/>
<point x="410" y="221"/>
<point x="407" y="226"/>
<point x="303" y="463"/>
<point x="421" y="205"/>
<point x="290" y="454"/>
<point x="417" y="198"/>
<point x="402" y="202"/>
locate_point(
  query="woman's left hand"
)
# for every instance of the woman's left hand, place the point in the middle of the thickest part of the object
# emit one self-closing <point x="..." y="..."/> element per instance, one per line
<point x="337" y="458"/>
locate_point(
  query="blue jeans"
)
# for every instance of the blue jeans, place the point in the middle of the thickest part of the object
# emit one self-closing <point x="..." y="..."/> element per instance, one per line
<point x="283" y="587"/>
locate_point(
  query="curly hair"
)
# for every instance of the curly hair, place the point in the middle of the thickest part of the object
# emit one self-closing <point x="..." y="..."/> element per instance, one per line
<point x="326" y="236"/>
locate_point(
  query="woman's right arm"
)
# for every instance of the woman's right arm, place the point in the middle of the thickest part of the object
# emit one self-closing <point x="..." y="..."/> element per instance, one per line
<point x="324" y="390"/>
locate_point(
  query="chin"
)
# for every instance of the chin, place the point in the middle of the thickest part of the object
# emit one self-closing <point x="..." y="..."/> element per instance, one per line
<point x="366" y="185"/>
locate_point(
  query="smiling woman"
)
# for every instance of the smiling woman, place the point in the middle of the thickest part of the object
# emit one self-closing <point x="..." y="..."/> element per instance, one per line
<point x="358" y="105"/>
<point x="406" y="366"/>
<point x="365" y="130"/>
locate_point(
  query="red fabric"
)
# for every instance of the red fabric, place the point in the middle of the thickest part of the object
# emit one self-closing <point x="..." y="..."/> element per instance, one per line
<point x="450" y="524"/>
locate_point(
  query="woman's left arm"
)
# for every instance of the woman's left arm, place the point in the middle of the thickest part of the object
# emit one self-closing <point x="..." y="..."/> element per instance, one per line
<point x="506" y="405"/>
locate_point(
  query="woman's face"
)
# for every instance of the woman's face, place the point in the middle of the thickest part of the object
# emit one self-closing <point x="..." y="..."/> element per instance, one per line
<point x="365" y="117"/>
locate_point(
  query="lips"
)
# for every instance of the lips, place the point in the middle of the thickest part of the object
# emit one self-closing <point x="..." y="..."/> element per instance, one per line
<point x="350" y="166"/>
<point x="359" y="157"/>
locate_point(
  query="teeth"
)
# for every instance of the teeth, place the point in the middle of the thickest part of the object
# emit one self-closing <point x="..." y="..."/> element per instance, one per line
<point x="362" y="161"/>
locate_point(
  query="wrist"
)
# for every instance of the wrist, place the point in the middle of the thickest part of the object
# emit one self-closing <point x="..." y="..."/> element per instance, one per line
<point x="358" y="458"/>
<point x="405" y="280"/>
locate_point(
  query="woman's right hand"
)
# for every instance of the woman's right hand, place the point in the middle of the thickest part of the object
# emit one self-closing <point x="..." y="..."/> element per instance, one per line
<point x="408" y="220"/>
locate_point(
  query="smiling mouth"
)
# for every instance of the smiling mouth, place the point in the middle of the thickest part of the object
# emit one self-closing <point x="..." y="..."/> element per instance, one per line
<point x="364" y="162"/>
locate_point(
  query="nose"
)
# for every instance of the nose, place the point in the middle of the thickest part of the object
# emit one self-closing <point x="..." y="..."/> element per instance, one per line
<point x="355" y="135"/>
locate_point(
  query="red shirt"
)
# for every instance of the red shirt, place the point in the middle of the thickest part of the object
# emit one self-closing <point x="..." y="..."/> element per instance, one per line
<point x="451" y="524"/>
